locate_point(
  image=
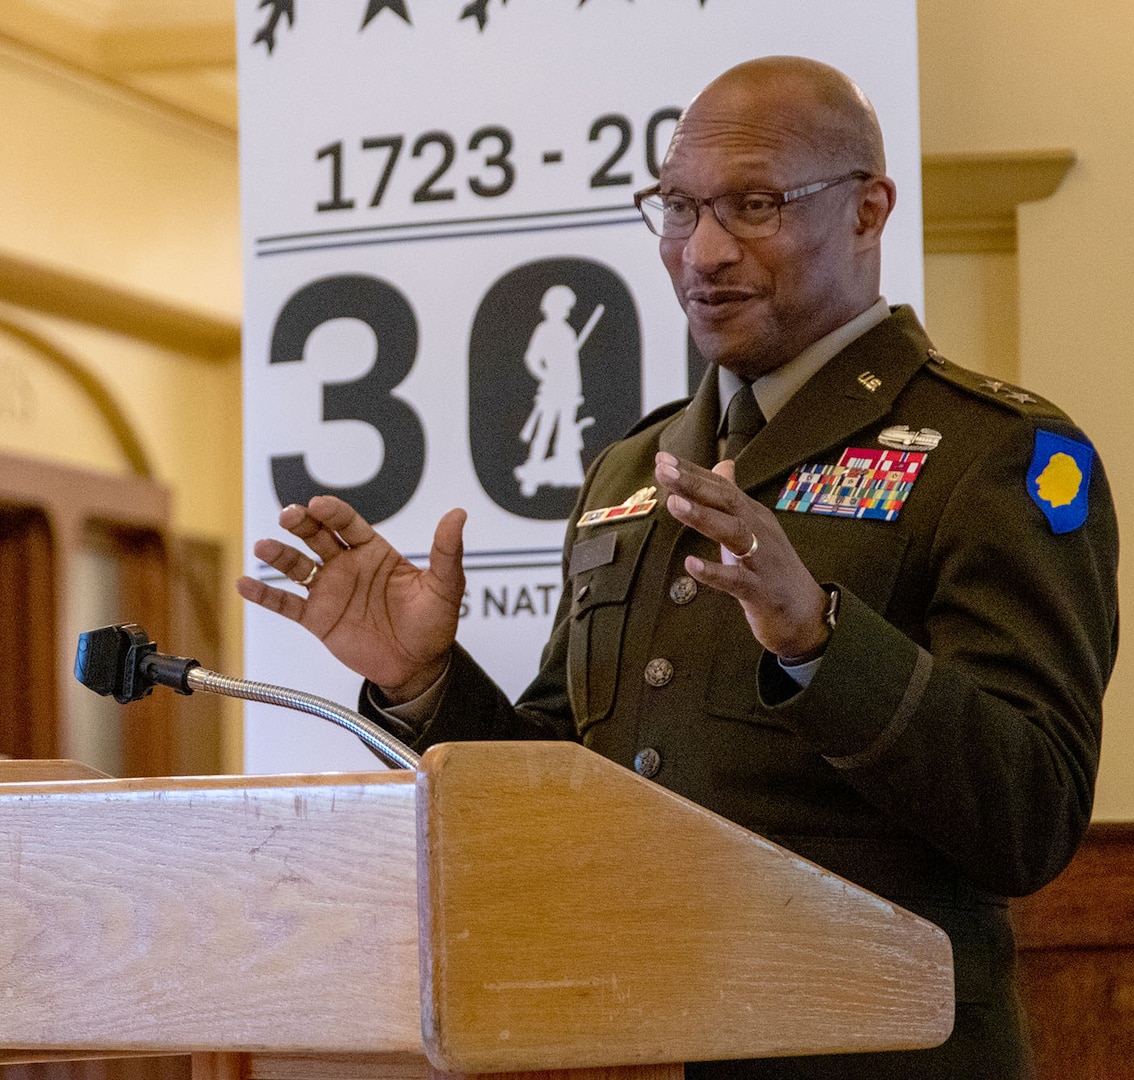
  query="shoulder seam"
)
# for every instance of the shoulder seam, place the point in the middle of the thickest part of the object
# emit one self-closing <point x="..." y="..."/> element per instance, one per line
<point x="995" y="391"/>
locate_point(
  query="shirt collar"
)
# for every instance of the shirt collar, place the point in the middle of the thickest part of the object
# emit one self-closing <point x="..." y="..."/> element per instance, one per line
<point x="775" y="389"/>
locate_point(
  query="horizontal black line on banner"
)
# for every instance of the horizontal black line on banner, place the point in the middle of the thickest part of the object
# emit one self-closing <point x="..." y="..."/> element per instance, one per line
<point x="514" y="553"/>
<point x="447" y="236"/>
<point x="444" y="223"/>
<point x="490" y="553"/>
<point x="542" y="564"/>
<point x="505" y="559"/>
<point x="514" y="566"/>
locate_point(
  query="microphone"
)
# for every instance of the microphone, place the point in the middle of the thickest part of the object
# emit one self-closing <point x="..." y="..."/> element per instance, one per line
<point x="121" y="661"/>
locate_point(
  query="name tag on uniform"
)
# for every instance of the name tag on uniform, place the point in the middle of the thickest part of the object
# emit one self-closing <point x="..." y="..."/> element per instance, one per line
<point x="866" y="483"/>
<point x="587" y="554"/>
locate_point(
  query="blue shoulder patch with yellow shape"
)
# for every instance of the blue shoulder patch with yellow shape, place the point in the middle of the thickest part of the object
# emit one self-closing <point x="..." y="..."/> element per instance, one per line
<point x="1058" y="479"/>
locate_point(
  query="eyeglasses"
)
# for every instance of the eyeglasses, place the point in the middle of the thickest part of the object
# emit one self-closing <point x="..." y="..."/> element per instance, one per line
<point x="747" y="215"/>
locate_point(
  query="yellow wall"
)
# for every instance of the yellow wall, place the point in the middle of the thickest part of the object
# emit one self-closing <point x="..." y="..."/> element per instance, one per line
<point x="94" y="181"/>
<point x="98" y="183"/>
<point x="1044" y="74"/>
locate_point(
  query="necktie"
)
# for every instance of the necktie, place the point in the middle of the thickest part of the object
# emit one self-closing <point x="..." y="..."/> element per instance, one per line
<point x="742" y="421"/>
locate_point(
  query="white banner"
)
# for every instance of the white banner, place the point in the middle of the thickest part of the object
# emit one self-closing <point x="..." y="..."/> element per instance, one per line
<point x="449" y="298"/>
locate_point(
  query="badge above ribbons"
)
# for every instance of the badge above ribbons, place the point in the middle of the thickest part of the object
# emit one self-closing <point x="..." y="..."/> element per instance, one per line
<point x="1058" y="479"/>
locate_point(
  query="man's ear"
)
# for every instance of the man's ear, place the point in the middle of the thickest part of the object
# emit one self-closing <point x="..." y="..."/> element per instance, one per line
<point x="874" y="206"/>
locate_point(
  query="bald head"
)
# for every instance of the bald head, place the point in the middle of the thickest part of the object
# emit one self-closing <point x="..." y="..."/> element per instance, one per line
<point x="817" y="104"/>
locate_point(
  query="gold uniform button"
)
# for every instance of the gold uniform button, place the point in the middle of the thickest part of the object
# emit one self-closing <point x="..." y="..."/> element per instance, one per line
<point x="659" y="671"/>
<point x="647" y="762"/>
<point x="683" y="589"/>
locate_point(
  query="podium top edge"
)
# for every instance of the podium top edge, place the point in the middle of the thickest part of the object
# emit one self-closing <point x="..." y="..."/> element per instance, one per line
<point x="28" y="781"/>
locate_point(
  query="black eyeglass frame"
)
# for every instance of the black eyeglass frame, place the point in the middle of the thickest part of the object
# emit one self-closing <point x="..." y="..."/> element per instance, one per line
<point x="779" y="198"/>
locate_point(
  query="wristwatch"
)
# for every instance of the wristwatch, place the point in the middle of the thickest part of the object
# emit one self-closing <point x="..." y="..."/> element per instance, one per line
<point x="830" y="616"/>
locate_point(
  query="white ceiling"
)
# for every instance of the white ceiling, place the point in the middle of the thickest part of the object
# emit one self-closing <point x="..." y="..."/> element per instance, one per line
<point x="181" y="53"/>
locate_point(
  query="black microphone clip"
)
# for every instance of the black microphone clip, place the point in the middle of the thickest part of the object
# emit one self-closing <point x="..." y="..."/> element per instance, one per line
<point x="121" y="661"/>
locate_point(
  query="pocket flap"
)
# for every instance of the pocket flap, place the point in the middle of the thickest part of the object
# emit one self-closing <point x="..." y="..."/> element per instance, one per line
<point x="610" y="575"/>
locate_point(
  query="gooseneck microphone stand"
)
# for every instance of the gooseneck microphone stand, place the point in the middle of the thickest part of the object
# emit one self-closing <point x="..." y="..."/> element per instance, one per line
<point x="122" y="662"/>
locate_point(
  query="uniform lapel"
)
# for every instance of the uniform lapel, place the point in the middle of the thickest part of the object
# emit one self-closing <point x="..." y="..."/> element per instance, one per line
<point x="693" y="433"/>
<point x="852" y="391"/>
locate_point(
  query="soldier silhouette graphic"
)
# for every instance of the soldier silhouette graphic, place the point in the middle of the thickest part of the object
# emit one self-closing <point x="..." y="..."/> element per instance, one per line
<point x="553" y="429"/>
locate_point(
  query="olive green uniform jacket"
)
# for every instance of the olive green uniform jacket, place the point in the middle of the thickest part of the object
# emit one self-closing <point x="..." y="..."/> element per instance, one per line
<point x="944" y="754"/>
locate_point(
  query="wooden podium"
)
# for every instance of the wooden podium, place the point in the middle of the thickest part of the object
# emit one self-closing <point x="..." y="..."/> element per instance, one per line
<point x="511" y="907"/>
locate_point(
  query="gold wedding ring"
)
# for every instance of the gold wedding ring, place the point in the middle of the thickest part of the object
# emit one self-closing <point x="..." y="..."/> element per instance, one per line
<point x="306" y="582"/>
<point x="751" y="549"/>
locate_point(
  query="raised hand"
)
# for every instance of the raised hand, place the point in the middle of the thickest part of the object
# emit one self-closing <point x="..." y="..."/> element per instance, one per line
<point x="783" y="603"/>
<point x="376" y="612"/>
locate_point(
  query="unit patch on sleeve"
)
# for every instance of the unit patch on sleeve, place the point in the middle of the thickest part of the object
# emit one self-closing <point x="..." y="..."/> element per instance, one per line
<point x="1058" y="479"/>
<point x="866" y="483"/>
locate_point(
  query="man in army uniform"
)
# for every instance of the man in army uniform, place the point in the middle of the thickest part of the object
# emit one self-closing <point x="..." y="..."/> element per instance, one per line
<point x="874" y="625"/>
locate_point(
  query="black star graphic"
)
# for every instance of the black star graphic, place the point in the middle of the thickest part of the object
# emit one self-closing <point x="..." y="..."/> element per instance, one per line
<point x="375" y="7"/>
<point x="280" y="8"/>
<point x="478" y="10"/>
